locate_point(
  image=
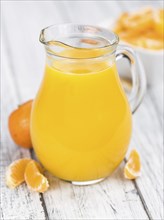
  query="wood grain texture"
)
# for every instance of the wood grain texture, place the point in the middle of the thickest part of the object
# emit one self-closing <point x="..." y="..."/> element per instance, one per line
<point x="23" y="62"/>
<point x="114" y="198"/>
<point x="19" y="203"/>
<point x="148" y="139"/>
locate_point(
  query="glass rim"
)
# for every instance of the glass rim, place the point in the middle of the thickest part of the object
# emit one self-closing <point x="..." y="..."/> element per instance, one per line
<point x="109" y="45"/>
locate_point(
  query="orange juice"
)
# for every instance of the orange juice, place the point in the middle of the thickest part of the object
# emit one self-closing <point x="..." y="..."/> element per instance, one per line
<point x="81" y="120"/>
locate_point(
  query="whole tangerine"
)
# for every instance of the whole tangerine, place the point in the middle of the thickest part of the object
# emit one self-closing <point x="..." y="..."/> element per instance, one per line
<point x="19" y="125"/>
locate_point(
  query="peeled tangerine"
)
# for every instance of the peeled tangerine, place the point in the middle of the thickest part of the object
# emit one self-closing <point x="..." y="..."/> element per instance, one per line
<point x="15" y="172"/>
<point x="34" y="179"/>
<point x="27" y="170"/>
<point x="132" y="168"/>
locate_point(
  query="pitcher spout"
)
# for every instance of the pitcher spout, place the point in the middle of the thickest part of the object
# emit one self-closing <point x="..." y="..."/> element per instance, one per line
<point x="79" y="39"/>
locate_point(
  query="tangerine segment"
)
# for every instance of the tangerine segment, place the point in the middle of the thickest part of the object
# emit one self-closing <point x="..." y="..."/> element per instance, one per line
<point x="34" y="179"/>
<point x="15" y="172"/>
<point x="132" y="168"/>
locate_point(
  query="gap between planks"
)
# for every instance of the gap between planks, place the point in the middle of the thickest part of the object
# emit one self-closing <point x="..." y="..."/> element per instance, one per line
<point x="141" y="197"/>
<point x="16" y="87"/>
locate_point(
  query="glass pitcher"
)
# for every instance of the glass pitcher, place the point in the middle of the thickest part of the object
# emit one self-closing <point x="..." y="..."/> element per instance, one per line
<point x="81" y="120"/>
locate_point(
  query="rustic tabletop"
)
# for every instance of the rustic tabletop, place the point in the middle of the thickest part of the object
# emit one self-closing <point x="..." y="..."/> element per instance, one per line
<point x="23" y="61"/>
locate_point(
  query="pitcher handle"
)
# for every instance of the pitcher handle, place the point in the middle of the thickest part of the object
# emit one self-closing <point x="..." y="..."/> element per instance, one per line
<point x="138" y="75"/>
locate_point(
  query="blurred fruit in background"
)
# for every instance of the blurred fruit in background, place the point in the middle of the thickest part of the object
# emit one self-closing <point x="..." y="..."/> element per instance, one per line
<point x="143" y="28"/>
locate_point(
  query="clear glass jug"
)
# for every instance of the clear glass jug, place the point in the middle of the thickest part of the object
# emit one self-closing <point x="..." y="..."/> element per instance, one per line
<point x="81" y="118"/>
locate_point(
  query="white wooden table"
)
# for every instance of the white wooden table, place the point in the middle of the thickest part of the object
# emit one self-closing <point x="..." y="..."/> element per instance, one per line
<point x="23" y="61"/>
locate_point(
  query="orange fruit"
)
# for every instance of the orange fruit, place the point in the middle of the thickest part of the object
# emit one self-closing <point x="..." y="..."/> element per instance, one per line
<point x="15" y="172"/>
<point x="19" y="125"/>
<point x="34" y="179"/>
<point x="132" y="168"/>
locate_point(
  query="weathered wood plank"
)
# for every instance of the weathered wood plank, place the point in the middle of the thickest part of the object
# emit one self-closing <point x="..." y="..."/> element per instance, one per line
<point x="19" y="203"/>
<point x="148" y="139"/>
<point x="22" y="37"/>
<point x="114" y="198"/>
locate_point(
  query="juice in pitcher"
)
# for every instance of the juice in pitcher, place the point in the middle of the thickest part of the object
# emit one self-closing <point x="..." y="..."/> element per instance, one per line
<point x="81" y="119"/>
